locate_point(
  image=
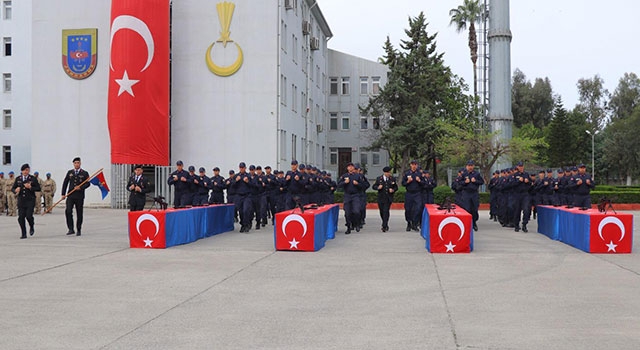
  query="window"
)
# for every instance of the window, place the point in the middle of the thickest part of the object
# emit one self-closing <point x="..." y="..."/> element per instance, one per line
<point x="283" y="144"/>
<point x="6" y="82"/>
<point x="345" y="85"/>
<point x="375" y="85"/>
<point x="310" y="108"/>
<point x="294" y="146"/>
<point x="364" y="159"/>
<point x="7" y="9"/>
<point x="6" y="119"/>
<point x="6" y="155"/>
<point x="333" y="86"/>
<point x="303" y="101"/>
<point x="284" y="37"/>
<point x="364" y="123"/>
<point x="324" y="83"/>
<point x="294" y="96"/>
<point x="7" y="46"/>
<point x="294" y="49"/>
<point x="375" y="158"/>
<point x="333" y="121"/>
<point x="311" y="68"/>
<point x="345" y="120"/>
<point x="333" y="154"/>
<point x="317" y="76"/>
<point x="283" y="87"/>
<point x="376" y="123"/>
<point x="364" y="85"/>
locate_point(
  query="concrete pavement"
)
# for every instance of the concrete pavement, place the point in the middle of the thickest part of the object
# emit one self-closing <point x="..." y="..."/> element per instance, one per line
<point x="368" y="290"/>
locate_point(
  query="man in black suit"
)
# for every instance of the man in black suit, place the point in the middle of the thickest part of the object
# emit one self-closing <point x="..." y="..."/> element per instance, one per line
<point x="76" y="181"/>
<point x="25" y="188"/>
<point x="386" y="185"/>
<point x="138" y="186"/>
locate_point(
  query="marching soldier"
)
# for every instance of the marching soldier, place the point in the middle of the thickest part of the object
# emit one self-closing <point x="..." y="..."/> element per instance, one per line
<point x="557" y="194"/>
<point x="351" y="183"/>
<point x="231" y="197"/>
<point x="242" y="192"/>
<point x="295" y="182"/>
<point x="48" y="190"/>
<point x="270" y="179"/>
<point x="38" y="207"/>
<point x="281" y="192"/>
<point x="3" y="198"/>
<point x="218" y="185"/>
<point x="493" y="196"/>
<point x="12" y="205"/>
<point x="201" y="197"/>
<point x="582" y="184"/>
<point x="363" y="195"/>
<point x="179" y="179"/>
<point x="412" y="181"/>
<point x="75" y="180"/>
<point x="471" y="182"/>
<point x="138" y="186"/>
<point x="25" y="187"/>
<point x="520" y="184"/>
<point x="428" y="184"/>
<point x="386" y="185"/>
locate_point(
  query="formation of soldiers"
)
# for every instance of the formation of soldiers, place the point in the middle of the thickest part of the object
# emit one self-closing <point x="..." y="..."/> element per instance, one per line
<point x="8" y="199"/>
<point x="514" y="192"/>
<point x="256" y="194"/>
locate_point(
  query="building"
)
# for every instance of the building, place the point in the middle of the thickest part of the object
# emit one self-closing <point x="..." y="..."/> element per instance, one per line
<point x="273" y="109"/>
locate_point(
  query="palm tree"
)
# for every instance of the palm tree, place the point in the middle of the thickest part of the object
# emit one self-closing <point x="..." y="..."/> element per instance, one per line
<point x="467" y="15"/>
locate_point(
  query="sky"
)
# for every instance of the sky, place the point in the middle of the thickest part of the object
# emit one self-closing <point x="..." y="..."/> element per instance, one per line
<point x="564" y="40"/>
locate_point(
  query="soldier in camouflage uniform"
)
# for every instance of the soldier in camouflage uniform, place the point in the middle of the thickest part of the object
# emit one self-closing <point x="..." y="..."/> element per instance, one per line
<point x="49" y="190"/>
<point x="12" y="202"/>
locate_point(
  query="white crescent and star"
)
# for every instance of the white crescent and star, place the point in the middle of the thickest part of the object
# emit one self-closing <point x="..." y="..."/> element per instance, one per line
<point x="154" y="220"/>
<point x="300" y="220"/>
<point x="451" y="220"/>
<point x="138" y="26"/>
<point x="611" y="247"/>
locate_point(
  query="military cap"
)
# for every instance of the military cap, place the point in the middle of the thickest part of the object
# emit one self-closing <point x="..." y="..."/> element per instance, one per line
<point x="201" y="169"/>
<point x="24" y="166"/>
<point x="259" y="167"/>
<point x="413" y="161"/>
<point x="581" y="165"/>
<point x="11" y="172"/>
<point x="386" y="169"/>
<point x="294" y="162"/>
<point x="137" y="166"/>
<point x="179" y="162"/>
<point x="242" y="165"/>
<point x="541" y="171"/>
<point x="471" y="162"/>
<point x="48" y="174"/>
<point x="216" y="169"/>
<point x="231" y="172"/>
<point x="560" y="170"/>
<point x="252" y="167"/>
<point x="549" y="170"/>
<point x="1" y="172"/>
<point x="350" y="164"/>
<point x="301" y="166"/>
<point x="36" y="173"/>
<point x="267" y="167"/>
<point x="520" y="164"/>
<point x="192" y="168"/>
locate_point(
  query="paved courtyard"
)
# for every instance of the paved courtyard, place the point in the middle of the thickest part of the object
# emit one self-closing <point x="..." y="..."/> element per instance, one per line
<point x="367" y="290"/>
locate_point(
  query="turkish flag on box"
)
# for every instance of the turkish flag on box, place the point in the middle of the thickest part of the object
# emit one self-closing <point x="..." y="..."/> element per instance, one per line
<point x="138" y="104"/>
<point x="448" y="231"/>
<point x="147" y="229"/>
<point x="295" y="231"/>
<point x="611" y="233"/>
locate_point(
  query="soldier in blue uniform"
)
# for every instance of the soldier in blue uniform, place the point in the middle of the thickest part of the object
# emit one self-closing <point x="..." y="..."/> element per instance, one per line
<point x="270" y="179"/>
<point x="456" y="186"/>
<point x="469" y="185"/>
<point x="217" y="184"/>
<point x="138" y="187"/>
<point x="25" y="187"/>
<point x="72" y="181"/>
<point x="557" y="194"/>
<point x="412" y="181"/>
<point x="332" y="189"/>
<point x="191" y="188"/>
<point x="493" y="195"/>
<point x="242" y="189"/>
<point x="351" y="183"/>
<point x="203" y="183"/>
<point x="231" y="191"/>
<point x="261" y="210"/>
<point x="386" y="185"/>
<point x="428" y="183"/>
<point x="179" y="180"/>
<point x="281" y="191"/>
<point x="582" y="184"/>
<point x="363" y="195"/>
<point x="295" y="181"/>
<point x="520" y="190"/>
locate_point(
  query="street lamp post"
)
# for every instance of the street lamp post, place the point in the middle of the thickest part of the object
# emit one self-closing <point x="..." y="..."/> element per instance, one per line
<point x="593" y="148"/>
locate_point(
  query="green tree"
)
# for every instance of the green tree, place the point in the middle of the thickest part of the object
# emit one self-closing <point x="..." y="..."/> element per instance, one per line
<point x="420" y="95"/>
<point x="466" y="15"/>
<point x="557" y="136"/>
<point x="593" y="98"/>
<point x="531" y="103"/>
<point x="621" y="147"/>
<point x="626" y="97"/>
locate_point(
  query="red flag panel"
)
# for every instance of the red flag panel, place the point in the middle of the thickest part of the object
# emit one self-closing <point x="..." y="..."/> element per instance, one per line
<point x="138" y="103"/>
<point x="147" y="229"/>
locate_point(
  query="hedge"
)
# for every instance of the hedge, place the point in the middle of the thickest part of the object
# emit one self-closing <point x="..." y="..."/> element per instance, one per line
<point x="615" y="193"/>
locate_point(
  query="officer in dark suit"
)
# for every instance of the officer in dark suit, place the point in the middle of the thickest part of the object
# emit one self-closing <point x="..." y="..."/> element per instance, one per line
<point x="178" y="179"/>
<point x="72" y="182"/>
<point x="582" y="184"/>
<point x="138" y="186"/>
<point x="412" y="180"/>
<point x="469" y="185"/>
<point x="25" y="188"/>
<point x="218" y="184"/>
<point x="386" y="185"/>
<point x="520" y="185"/>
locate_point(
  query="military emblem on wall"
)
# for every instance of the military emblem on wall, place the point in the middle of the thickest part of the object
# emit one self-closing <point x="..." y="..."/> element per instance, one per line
<point x="225" y="14"/>
<point x="79" y="52"/>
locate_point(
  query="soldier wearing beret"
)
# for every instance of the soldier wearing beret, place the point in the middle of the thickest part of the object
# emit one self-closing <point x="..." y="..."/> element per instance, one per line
<point x="25" y="188"/>
<point x="75" y="182"/>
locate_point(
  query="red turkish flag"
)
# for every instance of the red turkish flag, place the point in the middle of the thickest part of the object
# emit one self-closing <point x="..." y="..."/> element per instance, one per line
<point x="295" y="231"/>
<point x="138" y="110"/>
<point x="611" y="234"/>
<point x="147" y="229"/>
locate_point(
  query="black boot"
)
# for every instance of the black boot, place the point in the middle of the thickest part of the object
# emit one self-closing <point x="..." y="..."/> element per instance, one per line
<point x="524" y="228"/>
<point x="408" y="227"/>
<point x="517" y="229"/>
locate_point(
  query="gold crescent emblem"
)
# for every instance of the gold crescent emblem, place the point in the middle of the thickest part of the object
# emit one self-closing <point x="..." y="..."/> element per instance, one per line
<point x="225" y="13"/>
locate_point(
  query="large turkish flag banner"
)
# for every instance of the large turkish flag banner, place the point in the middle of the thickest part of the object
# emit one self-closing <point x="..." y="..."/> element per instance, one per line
<point x="138" y="104"/>
<point x="295" y="231"/>
<point x="147" y="229"/>
<point x="611" y="233"/>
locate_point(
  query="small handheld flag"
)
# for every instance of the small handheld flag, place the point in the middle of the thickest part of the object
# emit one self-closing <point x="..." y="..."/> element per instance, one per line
<point x="99" y="181"/>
